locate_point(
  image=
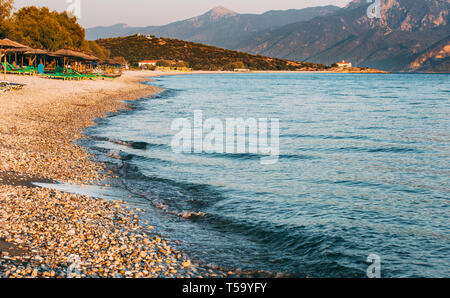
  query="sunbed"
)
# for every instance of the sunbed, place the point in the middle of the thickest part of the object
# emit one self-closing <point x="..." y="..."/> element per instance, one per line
<point x="7" y="86"/>
<point x="25" y="71"/>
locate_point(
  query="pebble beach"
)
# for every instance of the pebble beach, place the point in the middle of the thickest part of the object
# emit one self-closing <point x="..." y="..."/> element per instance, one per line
<point x="49" y="233"/>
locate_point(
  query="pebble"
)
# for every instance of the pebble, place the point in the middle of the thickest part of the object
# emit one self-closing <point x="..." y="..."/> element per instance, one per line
<point x="67" y="235"/>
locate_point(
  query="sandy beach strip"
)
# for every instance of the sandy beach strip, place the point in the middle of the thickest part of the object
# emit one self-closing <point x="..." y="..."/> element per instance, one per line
<point x="48" y="233"/>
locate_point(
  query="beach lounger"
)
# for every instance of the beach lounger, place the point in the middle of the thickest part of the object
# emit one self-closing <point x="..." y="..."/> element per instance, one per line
<point x="7" y="86"/>
<point x="10" y="69"/>
<point x="69" y="75"/>
<point x="60" y="76"/>
<point x="82" y="76"/>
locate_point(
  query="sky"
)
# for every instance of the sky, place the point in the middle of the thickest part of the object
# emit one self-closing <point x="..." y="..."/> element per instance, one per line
<point x="157" y="12"/>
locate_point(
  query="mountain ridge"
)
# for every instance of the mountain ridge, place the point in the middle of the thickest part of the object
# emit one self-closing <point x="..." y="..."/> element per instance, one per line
<point x="219" y="26"/>
<point x="406" y="29"/>
<point x="409" y="36"/>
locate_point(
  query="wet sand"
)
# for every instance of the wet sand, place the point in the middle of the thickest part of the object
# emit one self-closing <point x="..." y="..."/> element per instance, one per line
<point x="43" y="232"/>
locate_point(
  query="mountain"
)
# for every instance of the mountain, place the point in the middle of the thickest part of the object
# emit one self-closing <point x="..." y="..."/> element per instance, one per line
<point x="109" y="31"/>
<point x="219" y="27"/>
<point x="436" y="58"/>
<point x="411" y="35"/>
<point x="197" y="56"/>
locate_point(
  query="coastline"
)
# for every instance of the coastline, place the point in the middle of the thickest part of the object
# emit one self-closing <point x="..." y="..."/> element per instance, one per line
<point x="42" y="123"/>
<point x="44" y="231"/>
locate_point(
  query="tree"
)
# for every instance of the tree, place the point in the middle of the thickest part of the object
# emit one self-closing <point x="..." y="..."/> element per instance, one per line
<point x="165" y="63"/>
<point x="94" y="48"/>
<point x="181" y="64"/>
<point x="6" y="7"/>
<point x="51" y="30"/>
<point x="235" y="65"/>
<point x="41" y="28"/>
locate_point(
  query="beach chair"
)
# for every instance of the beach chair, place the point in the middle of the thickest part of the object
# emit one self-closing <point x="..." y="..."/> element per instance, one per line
<point x="7" y="86"/>
<point x="60" y="75"/>
<point x="10" y="69"/>
<point x="82" y="76"/>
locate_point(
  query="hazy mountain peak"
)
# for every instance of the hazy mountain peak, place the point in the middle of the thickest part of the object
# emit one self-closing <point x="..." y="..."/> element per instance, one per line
<point x="215" y="15"/>
<point x="220" y="12"/>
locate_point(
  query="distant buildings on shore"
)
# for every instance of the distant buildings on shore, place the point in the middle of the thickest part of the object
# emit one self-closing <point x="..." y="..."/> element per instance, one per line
<point x="146" y="63"/>
<point x="164" y="65"/>
<point x="148" y="36"/>
<point x="344" y="64"/>
<point x="241" y="70"/>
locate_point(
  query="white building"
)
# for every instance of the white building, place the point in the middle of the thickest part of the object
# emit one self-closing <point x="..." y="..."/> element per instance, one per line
<point x="344" y="64"/>
<point x="147" y="63"/>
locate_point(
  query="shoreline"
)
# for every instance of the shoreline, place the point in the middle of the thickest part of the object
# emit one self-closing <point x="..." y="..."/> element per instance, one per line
<point x="42" y="124"/>
<point x="39" y="143"/>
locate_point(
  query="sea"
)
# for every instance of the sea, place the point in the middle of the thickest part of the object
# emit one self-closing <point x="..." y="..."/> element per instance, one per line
<point x="360" y="186"/>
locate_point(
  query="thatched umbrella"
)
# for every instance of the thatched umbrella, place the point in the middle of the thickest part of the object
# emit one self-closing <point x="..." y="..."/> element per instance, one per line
<point x="36" y="53"/>
<point x="109" y="61"/>
<point x="76" y="56"/>
<point x="71" y="54"/>
<point x="120" y="61"/>
<point x="115" y="61"/>
<point x="6" y="44"/>
<point x="111" y="64"/>
<point x="15" y="51"/>
<point x="91" y="58"/>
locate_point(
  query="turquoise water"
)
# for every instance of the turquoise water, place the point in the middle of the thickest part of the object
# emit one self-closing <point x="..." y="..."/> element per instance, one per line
<point x="364" y="168"/>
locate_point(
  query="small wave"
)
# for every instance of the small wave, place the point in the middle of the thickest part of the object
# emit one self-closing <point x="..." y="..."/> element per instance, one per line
<point x="169" y="195"/>
<point x="131" y="144"/>
<point x="120" y="155"/>
<point x="375" y="150"/>
<point x="253" y="156"/>
<point x="394" y="150"/>
<point x="190" y="214"/>
<point x="374" y="128"/>
<point x="326" y="137"/>
<point x="134" y="145"/>
<point x="166" y="93"/>
<point x="182" y="214"/>
<point x="249" y="156"/>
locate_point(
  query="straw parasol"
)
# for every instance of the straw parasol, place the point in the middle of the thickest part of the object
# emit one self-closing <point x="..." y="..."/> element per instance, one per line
<point x="109" y="61"/>
<point x="91" y="57"/>
<point x="17" y="50"/>
<point x="6" y="43"/>
<point x="120" y="60"/>
<point x="71" y="54"/>
<point x="36" y="52"/>
<point x="115" y="61"/>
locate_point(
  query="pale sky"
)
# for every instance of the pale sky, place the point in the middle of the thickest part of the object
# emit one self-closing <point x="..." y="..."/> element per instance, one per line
<point x="152" y="12"/>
